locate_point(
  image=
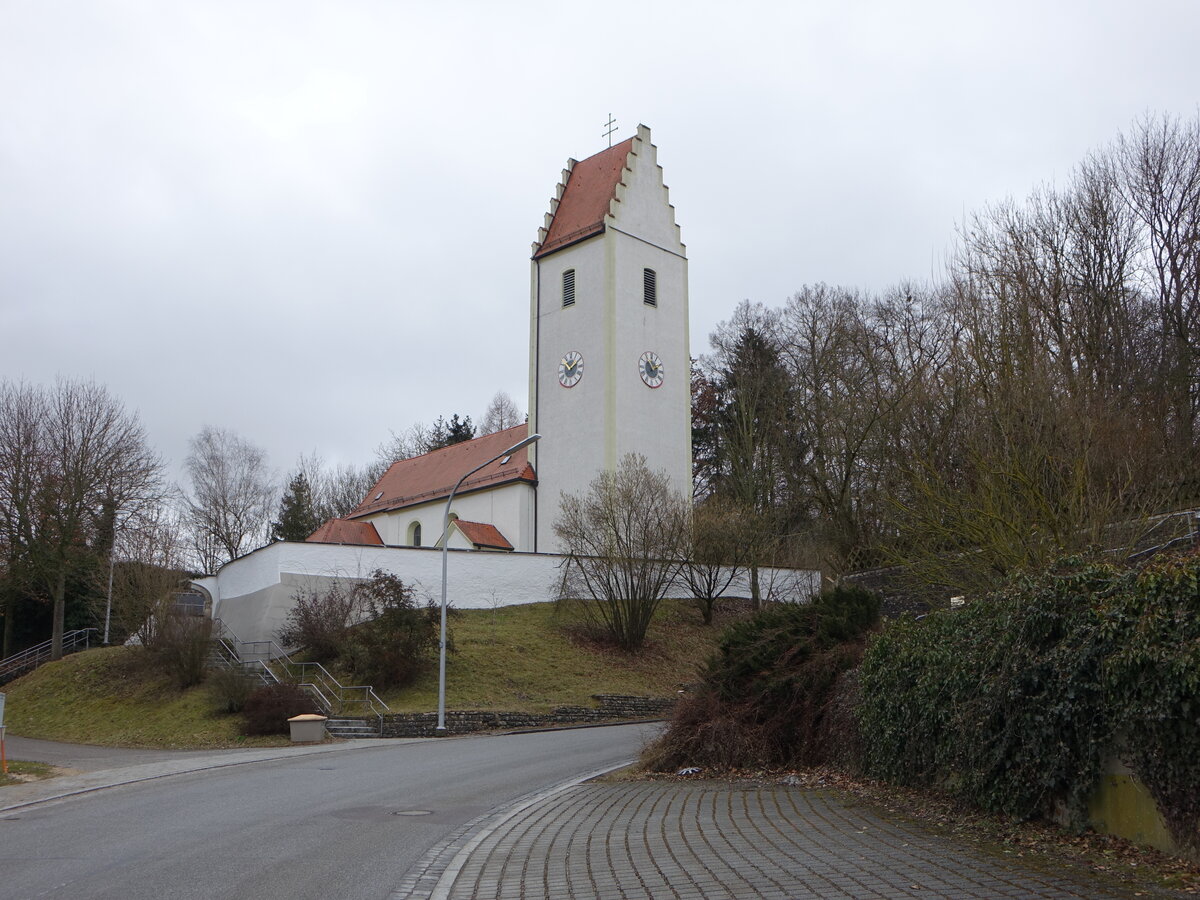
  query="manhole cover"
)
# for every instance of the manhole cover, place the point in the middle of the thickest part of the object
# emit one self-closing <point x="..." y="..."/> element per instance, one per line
<point x="412" y="812"/>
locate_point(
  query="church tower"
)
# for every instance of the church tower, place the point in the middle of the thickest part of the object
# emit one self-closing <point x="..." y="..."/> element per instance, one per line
<point x="610" y="371"/>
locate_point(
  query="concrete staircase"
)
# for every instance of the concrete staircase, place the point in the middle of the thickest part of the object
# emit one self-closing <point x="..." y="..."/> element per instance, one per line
<point x="254" y="672"/>
<point x="346" y="727"/>
<point x="270" y="664"/>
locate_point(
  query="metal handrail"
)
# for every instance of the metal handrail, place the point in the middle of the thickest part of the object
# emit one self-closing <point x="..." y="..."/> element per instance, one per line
<point x="32" y="657"/>
<point x="312" y="676"/>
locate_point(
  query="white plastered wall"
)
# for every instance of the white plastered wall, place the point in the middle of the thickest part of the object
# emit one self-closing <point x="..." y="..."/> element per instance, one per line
<point x="252" y="595"/>
<point x="509" y="508"/>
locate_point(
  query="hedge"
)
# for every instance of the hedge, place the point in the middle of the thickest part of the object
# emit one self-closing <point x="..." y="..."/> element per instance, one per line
<point x="1014" y="701"/>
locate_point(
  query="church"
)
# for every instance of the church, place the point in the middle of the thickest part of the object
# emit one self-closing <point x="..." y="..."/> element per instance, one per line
<point x="609" y="373"/>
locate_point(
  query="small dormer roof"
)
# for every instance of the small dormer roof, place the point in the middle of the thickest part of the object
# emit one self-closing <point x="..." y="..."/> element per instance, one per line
<point x="482" y="535"/>
<point x="342" y="531"/>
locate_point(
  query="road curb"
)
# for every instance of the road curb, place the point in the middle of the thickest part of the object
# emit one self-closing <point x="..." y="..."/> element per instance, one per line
<point x="432" y="878"/>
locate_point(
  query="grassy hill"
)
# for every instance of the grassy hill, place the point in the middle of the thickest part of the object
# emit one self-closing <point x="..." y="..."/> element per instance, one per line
<point x="529" y="658"/>
<point x="525" y="658"/>
<point x="109" y="696"/>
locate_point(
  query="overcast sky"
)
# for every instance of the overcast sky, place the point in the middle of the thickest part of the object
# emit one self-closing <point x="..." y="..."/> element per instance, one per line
<point x="311" y="222"/>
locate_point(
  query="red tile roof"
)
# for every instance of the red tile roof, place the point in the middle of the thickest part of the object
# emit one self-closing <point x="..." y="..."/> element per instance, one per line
<point x="422" y="479"/>
<point x="340" y="531"/>
<point x="584" y="203"/>
<point x="481" y="534"/>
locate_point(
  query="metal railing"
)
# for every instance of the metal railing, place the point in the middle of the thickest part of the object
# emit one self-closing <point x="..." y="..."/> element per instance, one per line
<point x="1170" y="531"/>
<point x="27" y="660"/>
<point x="274" y="664"/>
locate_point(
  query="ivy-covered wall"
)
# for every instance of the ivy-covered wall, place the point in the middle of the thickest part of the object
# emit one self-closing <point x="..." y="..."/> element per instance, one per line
<point x="1016" y="701"/>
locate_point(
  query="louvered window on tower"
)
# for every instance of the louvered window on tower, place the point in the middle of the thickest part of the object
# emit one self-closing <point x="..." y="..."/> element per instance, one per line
<point x="650" y="287"/>
<point x="569" y="287"/>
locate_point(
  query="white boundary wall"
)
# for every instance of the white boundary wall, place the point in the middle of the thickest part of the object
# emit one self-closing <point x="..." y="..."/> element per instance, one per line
<point x="252" y="595"/>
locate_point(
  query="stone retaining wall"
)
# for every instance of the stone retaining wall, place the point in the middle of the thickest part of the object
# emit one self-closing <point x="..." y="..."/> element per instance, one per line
<point x="612" y="707"/>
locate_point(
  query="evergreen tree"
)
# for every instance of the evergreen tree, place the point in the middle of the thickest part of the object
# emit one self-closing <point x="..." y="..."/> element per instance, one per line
<point x="297" y="513"/>
<point x="444" y="433"/>
<point x="459" y="431"/>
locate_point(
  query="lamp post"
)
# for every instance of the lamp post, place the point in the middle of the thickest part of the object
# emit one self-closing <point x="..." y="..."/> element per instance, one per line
<point x="441" y="718"/>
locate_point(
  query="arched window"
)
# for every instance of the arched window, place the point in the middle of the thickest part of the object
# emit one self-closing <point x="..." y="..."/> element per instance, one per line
<point x="568" y="288"/>
<point x="649" y="287"/>
<point x="414" y="534"/>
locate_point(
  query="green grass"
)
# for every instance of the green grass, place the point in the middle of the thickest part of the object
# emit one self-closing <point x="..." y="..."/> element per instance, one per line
<point x="111" y="697"/>
<point x="519" y="658"/>
<point x="20" y="771"/>
<point x="531" y="658"/>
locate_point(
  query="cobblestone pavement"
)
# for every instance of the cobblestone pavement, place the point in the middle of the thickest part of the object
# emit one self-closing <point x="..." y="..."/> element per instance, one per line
<point x="692" y="840"/>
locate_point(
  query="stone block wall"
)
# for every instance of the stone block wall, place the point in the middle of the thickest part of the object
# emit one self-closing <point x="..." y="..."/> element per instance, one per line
<point x="611" y="708"/>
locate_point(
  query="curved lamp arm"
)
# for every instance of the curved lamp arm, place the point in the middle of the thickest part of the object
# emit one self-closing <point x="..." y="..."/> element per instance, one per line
<point x="441" y="712"/>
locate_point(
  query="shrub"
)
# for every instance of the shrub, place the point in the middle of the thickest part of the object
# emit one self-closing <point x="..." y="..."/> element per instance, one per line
<point x="766" y="693"/>
<point x="393" y="643"/>
<point x="622" y="541"/>
<point x="398" y="639"/>
<point x="1015" y="701"/>
<point x="179" y="646"/>
<point x="1153" y="682"/>
<point x="1002" y="700"/>
<point x="229" y="689"/>
<point x="268" y="708"/>
<point x="319" y="621"/>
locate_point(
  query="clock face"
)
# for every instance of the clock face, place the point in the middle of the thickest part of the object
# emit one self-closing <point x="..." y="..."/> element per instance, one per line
<point x="650" y="367"/>
<point x="570" y="369"/>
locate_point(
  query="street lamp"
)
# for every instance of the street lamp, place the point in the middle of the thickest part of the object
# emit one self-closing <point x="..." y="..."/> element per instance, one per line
<point x="441" y="720"/>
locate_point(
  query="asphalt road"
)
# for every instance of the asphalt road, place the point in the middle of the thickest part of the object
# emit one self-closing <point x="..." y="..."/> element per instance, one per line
<point x="342" y="824"/>
<point x="89" y="757"/>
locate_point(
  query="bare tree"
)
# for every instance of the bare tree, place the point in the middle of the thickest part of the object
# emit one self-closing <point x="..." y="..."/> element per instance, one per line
<point x="231" y="496"/>
<point x="1160" y="164"/>
<point x="73" y="465"/>
<point x="148" y="568"/>
<point x="337" y="490"/>
<point x="1043" y="399"/>
<point x="21" y="464"/>
<point x="343" y="489"/>
<point x="719" y="544"/>
<point x="623" y="541"/>
<point x="1066" y="427"/>
<point x="419" y="439"/>
<point x="415" y="440"/>
<point x="854" y="363"/>
<point x="501" y="413"/>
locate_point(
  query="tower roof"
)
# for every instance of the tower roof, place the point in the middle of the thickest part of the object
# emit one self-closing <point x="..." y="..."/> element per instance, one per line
<point x="422" y="479"/>
<point x="584" y="202"/>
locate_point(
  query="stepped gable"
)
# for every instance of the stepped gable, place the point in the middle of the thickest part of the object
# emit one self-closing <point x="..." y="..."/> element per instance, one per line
<point x="423" y="479"/>
<point x="483" y="535"/>
<point x="584" y="195"/>
<point x="343" y="531"/>
<point x="590" y="194"/>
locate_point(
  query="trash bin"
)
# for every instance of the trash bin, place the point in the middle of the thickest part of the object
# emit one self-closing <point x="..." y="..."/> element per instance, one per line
<point x="308" y="728"/>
